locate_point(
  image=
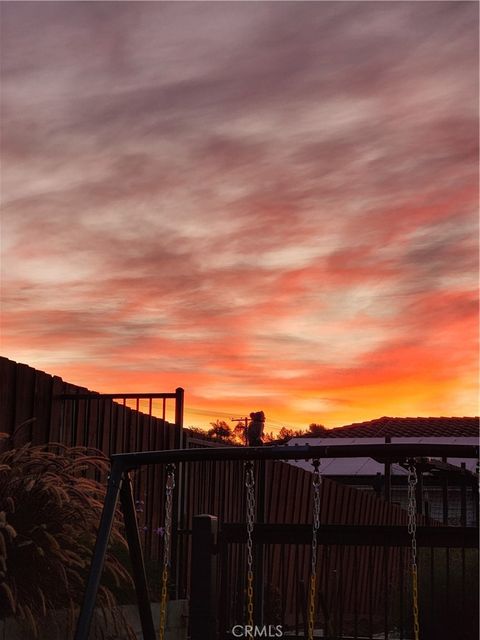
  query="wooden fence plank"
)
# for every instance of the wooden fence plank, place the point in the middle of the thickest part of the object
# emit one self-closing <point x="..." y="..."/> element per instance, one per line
<point x="81" y="420"/>
<point x="8" y="371"/>
<point x="56" y="412"/>
<point x="42" y="407"/>
<point x="24" y="395"/>
<point x="104" y="436"/>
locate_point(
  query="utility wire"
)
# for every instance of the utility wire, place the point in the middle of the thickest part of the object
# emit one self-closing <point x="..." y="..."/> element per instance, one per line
<point x="231" y="415"/>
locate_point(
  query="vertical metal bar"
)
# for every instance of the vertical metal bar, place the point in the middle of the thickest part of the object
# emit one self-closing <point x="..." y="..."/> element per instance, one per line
<point x="178" y="443"/>
<point x="111" y="436"/>
<point x="355" y="587"/>
<point x="432" y="589"/>
<point x="98" y="559"/>
<point x="335" y="594"/>
<point x="99" y="432"/>
<point x="125" y="440"/>
<point x="447" y="586"/>
<point x="388" y="476"/>
<point x="303" y="606"/>
<point x="475" y="502"/>
<point x="136" y="445"/>
<point x="385" y="590"/>
<point x="182" y="523"/>
<point x="203" y="590"/>
<point x="296" y="574"/>
<point x="401" y="591"/>
<point x="463" y="590"/>
<point x="176" y="542"/>
<point x="225" y="582"/>
<point x="463" y="497"/>
<point x="151" y="506"/>
<point x="370" y="592"/>
<point x="136" y="556"/>
<point x="179" y="406"/>
<point x="341" y="585"/>
<point x="445" y="496"/>
<point x="431" y="612"/>
<point x="428" y="520"/>
<point x="283" y="595"/>
<point x="138" y="436"/>
<point x="419" y="493"/>
<point x="377" y="484"/>
<point x="325" y="599"/>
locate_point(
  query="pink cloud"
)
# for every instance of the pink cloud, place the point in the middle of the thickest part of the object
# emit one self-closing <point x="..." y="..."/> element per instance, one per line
<point x="263" y="203"/>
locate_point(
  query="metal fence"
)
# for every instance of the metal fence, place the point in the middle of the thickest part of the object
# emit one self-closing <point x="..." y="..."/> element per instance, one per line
<point x="363" y="578"/>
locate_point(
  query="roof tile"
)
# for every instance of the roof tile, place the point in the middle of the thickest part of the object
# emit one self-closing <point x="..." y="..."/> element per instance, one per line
<point x="398" y="427"/>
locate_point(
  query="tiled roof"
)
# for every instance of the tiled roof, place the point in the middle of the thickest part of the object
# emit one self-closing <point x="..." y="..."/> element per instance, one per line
<point x="408" y="427"/>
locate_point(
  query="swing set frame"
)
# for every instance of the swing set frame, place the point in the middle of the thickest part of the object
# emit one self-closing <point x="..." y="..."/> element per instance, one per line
<point x="119" y="488"/>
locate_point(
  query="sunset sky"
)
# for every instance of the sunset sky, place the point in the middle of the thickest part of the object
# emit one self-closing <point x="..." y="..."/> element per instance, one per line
<point x="272" y="204"/>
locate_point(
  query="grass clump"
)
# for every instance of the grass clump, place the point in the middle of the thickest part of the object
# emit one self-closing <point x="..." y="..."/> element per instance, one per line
<point x="49" y="515"/>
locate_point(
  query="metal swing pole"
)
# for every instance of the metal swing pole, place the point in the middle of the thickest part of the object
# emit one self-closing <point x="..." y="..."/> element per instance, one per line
<point x="136" y="556"/>
<point x="98" y="560"/>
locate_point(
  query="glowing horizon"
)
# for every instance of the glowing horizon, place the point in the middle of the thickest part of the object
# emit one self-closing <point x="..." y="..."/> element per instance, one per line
<point x="271" y="205"/>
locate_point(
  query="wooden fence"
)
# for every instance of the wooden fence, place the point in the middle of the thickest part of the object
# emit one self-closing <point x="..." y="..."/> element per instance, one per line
<point x="40" y="408"/>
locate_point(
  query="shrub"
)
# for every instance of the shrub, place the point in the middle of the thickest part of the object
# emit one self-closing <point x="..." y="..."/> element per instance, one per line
<point x="49" y="514"/>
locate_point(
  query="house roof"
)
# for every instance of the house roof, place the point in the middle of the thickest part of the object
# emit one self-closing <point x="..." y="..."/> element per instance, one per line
<point x="408" y="427"/>
<point x="400" y="430"/>
<point x="364" y="466"/>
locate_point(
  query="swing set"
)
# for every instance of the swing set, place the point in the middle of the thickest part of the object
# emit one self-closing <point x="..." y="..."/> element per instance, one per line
<point x="120" y="488"/>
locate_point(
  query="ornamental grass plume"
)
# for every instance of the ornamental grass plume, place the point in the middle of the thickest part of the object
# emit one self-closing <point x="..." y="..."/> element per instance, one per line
<point x="49" y="515"/>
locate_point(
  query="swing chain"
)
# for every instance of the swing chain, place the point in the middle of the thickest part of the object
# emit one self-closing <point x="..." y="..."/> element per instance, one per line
<point x="412" y="530"/>
<point x="316" y="482"/>
<point x="250" y="486"/>
<point x="167" y="533"/>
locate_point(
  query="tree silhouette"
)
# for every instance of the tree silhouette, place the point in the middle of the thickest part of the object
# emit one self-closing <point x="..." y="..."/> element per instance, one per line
<point x="316" y="429"/>
<point x="221" y="430"/>
<point x="239" y="432"/>
<point x="287" y="433"/>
